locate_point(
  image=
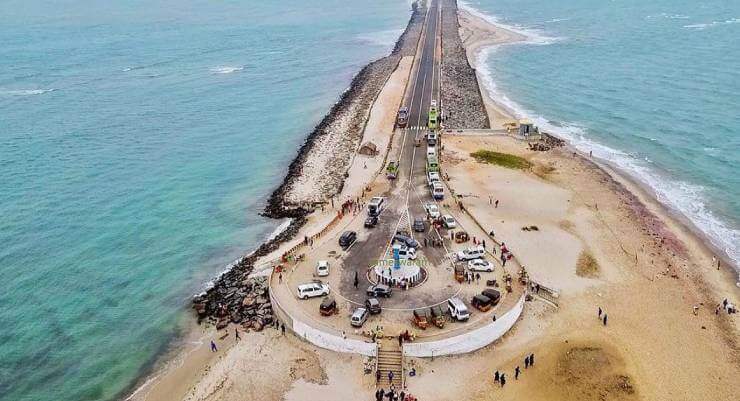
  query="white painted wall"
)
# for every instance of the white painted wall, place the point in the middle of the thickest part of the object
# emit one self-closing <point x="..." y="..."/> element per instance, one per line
<point x="469" y="341"/>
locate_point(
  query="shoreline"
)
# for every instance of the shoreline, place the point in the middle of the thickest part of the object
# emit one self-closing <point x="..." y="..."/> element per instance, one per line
<point x="493" y="35"/>
<point x="175" y="357"/>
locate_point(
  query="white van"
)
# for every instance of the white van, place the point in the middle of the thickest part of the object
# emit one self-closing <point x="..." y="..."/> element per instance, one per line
<point x="431" y="151"/>
<point x="375" y="206"/>
<point x="457" y="309"/>
<point x="310" y="290"/>
<point x="358" y="318"/>
<point x="437" y="190"/>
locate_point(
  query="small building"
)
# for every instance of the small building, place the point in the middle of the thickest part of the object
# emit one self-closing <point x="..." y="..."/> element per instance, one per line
<point x="526" y="128"/>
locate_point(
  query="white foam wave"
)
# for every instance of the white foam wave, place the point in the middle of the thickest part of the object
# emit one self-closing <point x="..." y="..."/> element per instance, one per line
<point x="25" y="92"/>
<point x="226" y="69"/>
<point x="386" y="38"/>
<point x="686" y="198"/>
<point x="534" y="36"/>
<point x="556" y="20"/>
<point x="700" y="27"/>
<point x="667" y="16"/>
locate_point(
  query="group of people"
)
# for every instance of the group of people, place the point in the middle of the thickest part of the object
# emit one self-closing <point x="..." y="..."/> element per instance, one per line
<point x="500" y="377"/>
<point x="392" y="395"/>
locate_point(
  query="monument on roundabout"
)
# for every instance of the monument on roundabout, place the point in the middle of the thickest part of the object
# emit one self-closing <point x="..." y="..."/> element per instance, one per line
<point x="400" y="271"/>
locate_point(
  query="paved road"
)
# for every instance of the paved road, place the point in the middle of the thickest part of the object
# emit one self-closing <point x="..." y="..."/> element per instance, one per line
<point x="409" y="191"/>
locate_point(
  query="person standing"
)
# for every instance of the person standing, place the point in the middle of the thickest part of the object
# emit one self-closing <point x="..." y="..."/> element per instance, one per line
<point x="496" y="377"/>
<point x="236" y="332"/>
<point x="526" y="362"/>
<point x="600" y="312"/>
<point x="503" y="380"/>
<point x="390" y="376"/>
<point x="605" y="317"/>
<point x="213" y="347"/>
<point x="496" y="204"/>
<point x="377" y="376"/>
<point x="516" y="373"/>
<point x="531" y="359"/>
<point x="282" y="328"/>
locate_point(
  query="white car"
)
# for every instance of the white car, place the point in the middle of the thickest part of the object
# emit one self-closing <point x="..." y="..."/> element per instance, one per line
<point x="322" y="268"/>
<point x="311" y="290"/>
<point x="405" y="252"/>
<point x="432" y="210"/>
<point x="433" y="176"/>
<point x="480" y="265"/>
<point x="476" y="252"/>
<point x="448" y="221"/>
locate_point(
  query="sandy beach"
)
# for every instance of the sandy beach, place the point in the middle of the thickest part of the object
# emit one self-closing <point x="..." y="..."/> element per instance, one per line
<point x="602" y="242"/>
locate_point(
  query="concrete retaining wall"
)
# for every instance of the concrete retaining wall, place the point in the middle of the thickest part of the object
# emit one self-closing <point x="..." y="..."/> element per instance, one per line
<point x="469" y="341"/>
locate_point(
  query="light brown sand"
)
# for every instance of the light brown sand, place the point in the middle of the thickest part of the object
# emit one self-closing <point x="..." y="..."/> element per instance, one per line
<point x="652" y="271"/>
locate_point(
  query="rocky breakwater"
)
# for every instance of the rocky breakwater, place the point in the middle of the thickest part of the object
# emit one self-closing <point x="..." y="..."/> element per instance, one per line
<point x="462" y="102"/>
<point x="237" y="298"/>
<point x="320" y="168"/>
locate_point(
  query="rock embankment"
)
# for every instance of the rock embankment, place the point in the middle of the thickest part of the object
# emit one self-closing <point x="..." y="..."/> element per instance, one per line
<point x="462" y="102"/>
<point x="237" y="298"/>
<point x="319" y="170"/>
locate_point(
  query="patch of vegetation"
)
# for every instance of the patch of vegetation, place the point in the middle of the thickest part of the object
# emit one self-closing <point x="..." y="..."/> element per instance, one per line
<point x="587" y="266"/>
<point x="543" y="171"/>
<point x="501" y="159"/>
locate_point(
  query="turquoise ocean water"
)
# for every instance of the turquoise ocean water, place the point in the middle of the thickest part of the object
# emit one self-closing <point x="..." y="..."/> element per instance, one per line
<point x="652" y="87"/>
<point x="138" y="142"/>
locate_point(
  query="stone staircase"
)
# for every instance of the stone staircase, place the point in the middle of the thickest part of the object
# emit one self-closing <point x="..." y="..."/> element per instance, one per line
<point x="390" y="358"/>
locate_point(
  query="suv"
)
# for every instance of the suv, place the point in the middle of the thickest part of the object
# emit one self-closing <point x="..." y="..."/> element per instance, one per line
<point x="419" y="225"/>
<point x="373" y="306"/>
<point x="311" y="290"/>
<point x="457" y="309"/>
<point x="448" y="221"/>
<point x="375" y="206"/>
<point x="379" y="290"/>
<point x="347" y="239"/>
<point x="476" y="252"/>
<point x="371" y="221"/>
<point x="432" y="210"/>
<point x="358" y="318"/>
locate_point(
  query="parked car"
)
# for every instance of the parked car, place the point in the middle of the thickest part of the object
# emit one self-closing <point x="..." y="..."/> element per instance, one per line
<point x="379" y="290"/>
<point x="405" y="239"/>
<point x="419" y="226"/>
<point x="322" y="268"/>
<point x="433" y="176"/>
<point x="437" y="190"/>
<point x="457" y="309"/>
<point x="431" y="151"/>
<point x="313" y="289"/>
<point x="347" y="239"/>
<point x="432" y="210"/>
<point x="448" y="221"/>
<point x="476" y="252"/>
<point x="358" y="318"/>
<point x="371" y="221"/>
<point x="405" y="252"/>
<point x="480" y="265"/>
<point x="373" y="306"/>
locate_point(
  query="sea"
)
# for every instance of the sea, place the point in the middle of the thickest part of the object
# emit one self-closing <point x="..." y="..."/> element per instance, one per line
<point x="652" y="88"/>
<point x="140" y="140"/>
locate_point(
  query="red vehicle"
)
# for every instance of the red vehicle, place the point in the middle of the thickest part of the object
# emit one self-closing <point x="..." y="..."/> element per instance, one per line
<point x="403" y="116"/>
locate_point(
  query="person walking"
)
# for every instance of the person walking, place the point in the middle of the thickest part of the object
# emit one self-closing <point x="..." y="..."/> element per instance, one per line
<point x="526" y="362"/>
<point x="402" y="395"/>
<point x="531" y="359"/>
<point x="503" y="380"/>
<point x="496" y="204"/>
<point x="214" y="348"/>
<point x="236" y="332"/>
<point x="280" y="278"/>
<point x="600" y="312"/>
<point x="377" y="376"/>
<point x="516" y="373"/>
<point x="390" y="376"/>
<point x="496" y="377"/>
<point x="357" y="280"/>
<point x="282" y="328"/>
<point x="605" y="317"/>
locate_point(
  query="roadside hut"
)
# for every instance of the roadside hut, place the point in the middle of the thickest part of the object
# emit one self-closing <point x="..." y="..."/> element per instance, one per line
<point x="368" y="149"/>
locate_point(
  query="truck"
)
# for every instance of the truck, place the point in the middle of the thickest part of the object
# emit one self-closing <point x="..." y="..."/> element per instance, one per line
<point x="432" y="164"/>
<point x="433" y="116"/>
<point x="391" y="172"/>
